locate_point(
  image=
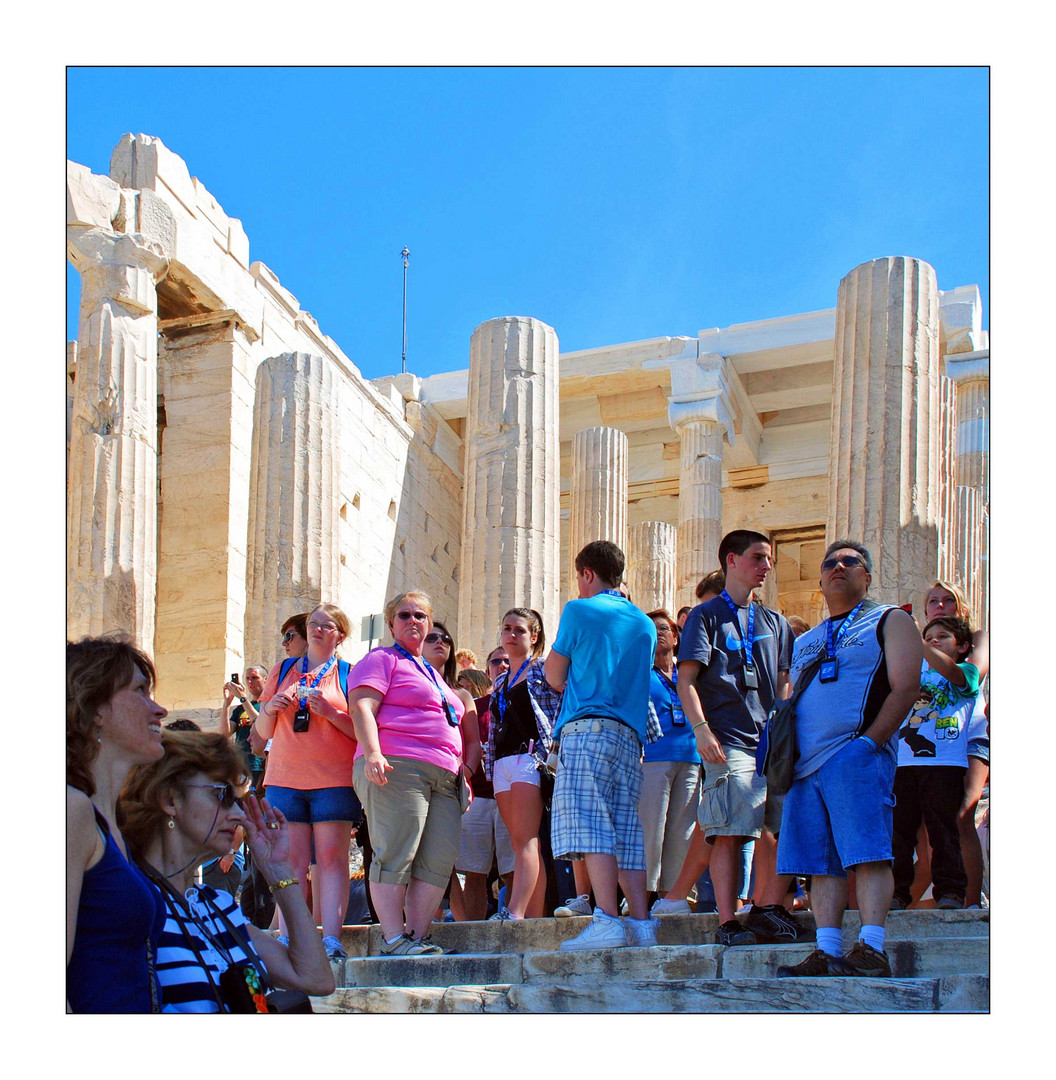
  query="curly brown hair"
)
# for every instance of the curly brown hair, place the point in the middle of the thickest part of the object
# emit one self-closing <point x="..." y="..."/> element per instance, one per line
<point x="96" y="669"/>
<point x="140" y="815"/>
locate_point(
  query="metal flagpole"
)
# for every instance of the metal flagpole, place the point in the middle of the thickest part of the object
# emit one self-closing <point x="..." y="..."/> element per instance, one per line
<point x="405" y="253"/>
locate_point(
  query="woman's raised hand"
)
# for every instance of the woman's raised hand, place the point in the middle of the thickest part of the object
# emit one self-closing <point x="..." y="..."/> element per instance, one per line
<point x="267" y="832"/>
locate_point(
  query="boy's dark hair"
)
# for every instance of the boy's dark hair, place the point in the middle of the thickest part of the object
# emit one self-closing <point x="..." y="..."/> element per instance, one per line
<point x="960" y="628"/>
<point x="182" y="724"/>
<point x="737" y="543"/>
<point x="862" y="550"/>
<point x="605" y="559"/>
<point x="714" y="582"/>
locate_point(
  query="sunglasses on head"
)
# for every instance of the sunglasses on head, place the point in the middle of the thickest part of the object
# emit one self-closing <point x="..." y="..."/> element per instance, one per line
<point x="225" y="793"/>
<point x="435" y="635"/>
<point x="848" y="562"/>
<point x="418" y="616"/>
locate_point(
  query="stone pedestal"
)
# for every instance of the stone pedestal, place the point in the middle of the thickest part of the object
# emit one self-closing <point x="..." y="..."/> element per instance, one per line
<point x="113" y="462"/>
<point x="970" y="374"/>
<point x="884" y="447"/>
<point x="206" y="373"/>
<point x="598" y="494"/>
<point x="511" y="513"/>
<point x="651" y="551"/>
<point x="294" y="504"/>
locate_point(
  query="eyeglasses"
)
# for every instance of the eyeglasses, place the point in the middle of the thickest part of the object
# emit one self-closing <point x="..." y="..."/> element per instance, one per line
<point x="434" y="636"/>
<point x="418" y="616"/>
<point x="225" y="793"/>
<point x="327" y="628"/>
<point x="848" y="562"/>
<point x="288" y="636"/>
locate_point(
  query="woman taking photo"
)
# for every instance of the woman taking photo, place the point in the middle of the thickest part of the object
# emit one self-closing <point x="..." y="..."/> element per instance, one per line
<point x="113" y="914"/>
<point x="304" y="712"/>
<point x="407" y="775"/>
<point x="180" y="812"/>
<point x="524" y="710"/>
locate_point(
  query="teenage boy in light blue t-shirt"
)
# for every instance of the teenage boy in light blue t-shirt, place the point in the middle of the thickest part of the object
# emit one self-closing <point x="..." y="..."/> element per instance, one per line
<point x="601" y="659"/>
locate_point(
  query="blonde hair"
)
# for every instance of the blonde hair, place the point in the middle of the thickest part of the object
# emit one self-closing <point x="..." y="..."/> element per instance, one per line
<point x="964" y="611"/>
<point x="394" y="603"/>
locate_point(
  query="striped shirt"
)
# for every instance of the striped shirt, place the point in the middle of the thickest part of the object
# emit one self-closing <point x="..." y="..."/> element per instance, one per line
<point x="185" y="986"/>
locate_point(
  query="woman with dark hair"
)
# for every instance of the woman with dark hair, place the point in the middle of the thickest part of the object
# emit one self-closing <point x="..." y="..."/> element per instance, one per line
<point x="113" y="914"/>
<point x="305" y="711"/>
<point x="439" y="650"/>
<point x="524" y="709"/>
<point x="407" y="775"/>
<point x="180" y="812"/>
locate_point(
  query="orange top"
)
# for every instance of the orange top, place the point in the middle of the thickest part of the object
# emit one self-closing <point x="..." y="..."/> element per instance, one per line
<point x="320" y="757"/>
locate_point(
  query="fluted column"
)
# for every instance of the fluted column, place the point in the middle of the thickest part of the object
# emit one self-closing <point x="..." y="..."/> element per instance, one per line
<point x="598" y="494"/>
<point x="884" y="447"/>
<point x="946" y="516"/>
<point x="651" y="551"/>
<point x="511" y="512"/>
<point x="971" y="544"/>
<point x="113" y="463"/>
<point x="294" y="504"/>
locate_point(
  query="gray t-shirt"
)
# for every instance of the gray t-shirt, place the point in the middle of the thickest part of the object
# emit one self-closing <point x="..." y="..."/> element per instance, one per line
<point x="715" y="640"/>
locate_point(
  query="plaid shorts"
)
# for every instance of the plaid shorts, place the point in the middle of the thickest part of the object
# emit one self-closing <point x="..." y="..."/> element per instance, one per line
<point x="596" y="793"/>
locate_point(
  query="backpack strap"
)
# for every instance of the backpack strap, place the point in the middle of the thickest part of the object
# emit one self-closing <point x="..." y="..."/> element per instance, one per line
<point x="344" y="669"/>
<point x="286" y="665"/>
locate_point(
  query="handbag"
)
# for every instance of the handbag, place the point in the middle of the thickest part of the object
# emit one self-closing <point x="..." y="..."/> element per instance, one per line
<point x="775" y="757"/>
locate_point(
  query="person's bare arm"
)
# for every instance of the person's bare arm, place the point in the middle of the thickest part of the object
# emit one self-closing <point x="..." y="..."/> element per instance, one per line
<point x="225" y="711"/>
<point x="940" y="662"/>
<point x="555" y="668"/>
<point x="708" y="746"/>
<point x="784" y="686"/>
<point x="84" y="848"/>
<point x="980" y="654"/>
<point x="904" y="651"/>
<point x="363" y="704"/>
<point x="470" y="728"/>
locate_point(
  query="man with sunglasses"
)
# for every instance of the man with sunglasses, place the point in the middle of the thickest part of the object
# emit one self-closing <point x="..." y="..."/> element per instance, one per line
<point x="863" y="664"/>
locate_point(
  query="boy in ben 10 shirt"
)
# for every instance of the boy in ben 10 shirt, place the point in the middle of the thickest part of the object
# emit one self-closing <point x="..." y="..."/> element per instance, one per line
<point x="932" y="761"/>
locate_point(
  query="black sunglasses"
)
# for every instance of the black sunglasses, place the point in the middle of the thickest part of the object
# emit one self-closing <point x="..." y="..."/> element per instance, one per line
<point x="849" y="562"/>
<point x="434" y="636"/>
<point x="225" y="793"/>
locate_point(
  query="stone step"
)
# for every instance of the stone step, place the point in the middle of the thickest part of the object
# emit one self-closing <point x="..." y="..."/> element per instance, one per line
<point x="918" y="958"/>
<point x="953" y="993"/>
<point x="520" y="936"/>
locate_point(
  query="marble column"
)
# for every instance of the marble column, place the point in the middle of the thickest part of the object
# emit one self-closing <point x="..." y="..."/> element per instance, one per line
<point x="113" y="463"/>
<point x="598" y="494"/>
<point x="651" y="551"/>
<point x="206" y="371"/>
<point x="884" y="447"/>
<point x="970" y="373"/>
<point x="511" y="511"/>
<point x="946" y="516"/>
<point x="294" y="504"/>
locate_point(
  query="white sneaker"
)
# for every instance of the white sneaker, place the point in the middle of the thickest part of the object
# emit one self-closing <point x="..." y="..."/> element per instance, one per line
<point x="579" y="905"/>
<point x="602" y="932"/>
<point x="639" y="932"/>
<point x="670" y="907"/>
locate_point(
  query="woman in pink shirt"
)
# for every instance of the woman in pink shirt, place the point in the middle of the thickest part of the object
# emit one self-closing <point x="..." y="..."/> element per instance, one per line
<point x="407" y="775"/>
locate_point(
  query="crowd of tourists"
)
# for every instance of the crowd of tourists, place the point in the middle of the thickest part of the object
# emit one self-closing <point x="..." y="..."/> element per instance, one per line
<point x="613" y="772"/>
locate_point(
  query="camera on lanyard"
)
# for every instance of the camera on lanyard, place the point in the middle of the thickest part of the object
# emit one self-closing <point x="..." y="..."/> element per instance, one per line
<point x="300" y="720"/>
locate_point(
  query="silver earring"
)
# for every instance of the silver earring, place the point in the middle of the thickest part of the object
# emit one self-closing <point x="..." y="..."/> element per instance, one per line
<point x="172" y="823"/>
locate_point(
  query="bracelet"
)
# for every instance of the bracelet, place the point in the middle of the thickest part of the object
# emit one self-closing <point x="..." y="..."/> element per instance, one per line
<point x="703" y="723"/>
<point x="284" y="884"/>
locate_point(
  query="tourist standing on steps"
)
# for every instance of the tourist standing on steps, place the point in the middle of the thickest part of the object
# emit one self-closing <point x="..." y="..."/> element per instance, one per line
<point x="407" y="774"/>
<point x="733" y="665"/>
<point x="838" y="812"/>
<point x="113" y="914"/>
<point x="524" y="709"/>
<point x="601" y="659"/>
<point x="238" y="721"/>
<point x="310" y="766"/>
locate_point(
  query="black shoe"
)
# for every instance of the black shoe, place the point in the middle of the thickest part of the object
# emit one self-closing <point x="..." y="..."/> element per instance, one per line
<point x="772" y="925"/>
<point x="869" y="962"/>
<point x="733" y="933"/>
<point x="816" y="965"/>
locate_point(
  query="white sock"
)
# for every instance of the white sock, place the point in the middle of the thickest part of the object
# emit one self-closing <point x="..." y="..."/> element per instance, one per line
<point x="874" y="936"/>
<point x="392" y="941"/>
<point x="830" y="940"/>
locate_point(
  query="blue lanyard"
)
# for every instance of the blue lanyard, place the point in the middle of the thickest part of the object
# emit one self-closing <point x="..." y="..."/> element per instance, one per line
<point x="444" y="703"/>
<point x="832" y="643"/>
<point x="678" y="717"/>
<point x="747" y="640"/>
<point x="503" y="700"/>
<point x="315" y="682"/>
<point x="612" y="592"/>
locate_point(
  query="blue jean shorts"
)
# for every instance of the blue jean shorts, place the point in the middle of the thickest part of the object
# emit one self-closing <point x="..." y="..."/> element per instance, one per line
<point x="316" y="804"/>
<point x="841" y="814"/>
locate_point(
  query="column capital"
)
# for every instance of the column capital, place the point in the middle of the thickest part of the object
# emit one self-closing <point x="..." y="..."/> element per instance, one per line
<point x="700" y="393"/>
<point x="969" y="367"/>
<point x="102" y="248"/>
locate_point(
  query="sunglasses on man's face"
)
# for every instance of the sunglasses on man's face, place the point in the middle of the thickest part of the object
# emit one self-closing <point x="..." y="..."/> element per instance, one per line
<point x="225" y="793"/>
<point x="848" y="562"/>
<point x="499" y="661"/>
<point x="434" y="636"/>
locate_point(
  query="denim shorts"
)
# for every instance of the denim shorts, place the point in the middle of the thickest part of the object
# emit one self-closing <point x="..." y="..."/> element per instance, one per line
<point x="840" y="815"/>
<point x="316" y="804"/>
<point x="515" y="769"/>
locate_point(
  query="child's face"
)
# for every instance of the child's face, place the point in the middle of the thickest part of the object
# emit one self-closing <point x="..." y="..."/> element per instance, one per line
<point x="943" y="639"/>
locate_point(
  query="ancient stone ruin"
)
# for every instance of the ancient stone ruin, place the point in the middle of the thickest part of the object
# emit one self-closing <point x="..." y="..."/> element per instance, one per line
<point x="228" y="465"/>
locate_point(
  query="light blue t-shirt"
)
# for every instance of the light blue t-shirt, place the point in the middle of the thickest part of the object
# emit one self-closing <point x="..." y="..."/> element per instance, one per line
<point x="610" y="645"/>
<point x="677" y="743"/>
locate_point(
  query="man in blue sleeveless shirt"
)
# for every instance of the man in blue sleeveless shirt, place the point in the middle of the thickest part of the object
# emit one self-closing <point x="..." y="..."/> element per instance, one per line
<point x="838" y="816"/>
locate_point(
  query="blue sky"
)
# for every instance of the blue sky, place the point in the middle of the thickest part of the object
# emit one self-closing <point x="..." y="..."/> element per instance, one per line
<point x="613" y="203"/>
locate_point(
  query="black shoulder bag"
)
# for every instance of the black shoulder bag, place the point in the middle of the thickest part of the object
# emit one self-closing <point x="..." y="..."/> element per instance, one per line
<point x="775" y="757"/>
